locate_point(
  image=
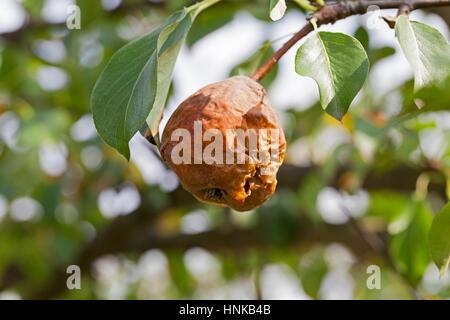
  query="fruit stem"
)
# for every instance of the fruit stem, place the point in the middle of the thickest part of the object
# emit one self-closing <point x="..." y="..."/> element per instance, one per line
<point x="269" y="64"/>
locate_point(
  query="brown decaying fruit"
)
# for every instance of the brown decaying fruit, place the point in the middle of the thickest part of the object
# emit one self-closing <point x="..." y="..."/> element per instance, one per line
<point x="236" y="103"/>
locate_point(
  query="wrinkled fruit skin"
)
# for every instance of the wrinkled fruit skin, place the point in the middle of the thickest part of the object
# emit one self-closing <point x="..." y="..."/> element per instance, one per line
<point x="238" y="102"/>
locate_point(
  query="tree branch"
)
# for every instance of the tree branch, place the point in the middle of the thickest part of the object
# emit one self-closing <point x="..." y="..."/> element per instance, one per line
<point x="399" y="179"/>
<point x="137" y="232"/>
<point x="121" y="238"/>
<point x="330" y="13"/>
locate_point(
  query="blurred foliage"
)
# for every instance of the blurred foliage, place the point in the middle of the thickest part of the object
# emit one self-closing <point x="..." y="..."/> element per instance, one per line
<point x="67" y="198"/>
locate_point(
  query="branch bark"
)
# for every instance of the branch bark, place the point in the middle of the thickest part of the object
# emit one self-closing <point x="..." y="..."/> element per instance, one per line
<point x="330" y="13"/>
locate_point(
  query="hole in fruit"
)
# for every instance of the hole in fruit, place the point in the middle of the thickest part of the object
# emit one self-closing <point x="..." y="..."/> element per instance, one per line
<point x="214" y="194"/>
<point x="247" y="187"/>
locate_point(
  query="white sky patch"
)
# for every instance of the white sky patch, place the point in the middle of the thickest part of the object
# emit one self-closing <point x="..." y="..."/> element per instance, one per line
<point x="50" y="50"/>
<point x="92" y="157"/>
<point x="91" y="51"/>
<point x="339" y="257"/>
<point x="153" y="262"/>
<point x="242" y="288"/>
<point x="55" y="11"/>
<point x="83" y="129"/>
<point x="110" y="274"/>
<point x="9" y="128"/>
<point x="25" y="209"/>
<point x="433" y="143"/>
<point x="90" y="54"/>
<point x="153" y="270"/>
<point x="366" y="145"/>
<point x="328" y="203"/>
<point x="279" y="282"/>
<point x="203" y="266"/>
<point x="10" y="295"/>
<point x="3" y="207"/>
<point x="299" y="152"/>
<point x="113" y="203"/>
<point x="147" y="162"/>
<point x="441" y="119"/>
<point x="170" y="181"/>
<point x="106" y="267"/>
<point x="110" y="4"/>
<point x="12" y="16"/>
<point x="337" y="285"/>
<point x="327" y="140"/>
<point x="152" y="169"/>
<point x="51" y="78"/>
<point x="196" y="221"/>
<point x="335" y="207"/>
<point x="53" y="158"/>
<point x="431" y="281"/>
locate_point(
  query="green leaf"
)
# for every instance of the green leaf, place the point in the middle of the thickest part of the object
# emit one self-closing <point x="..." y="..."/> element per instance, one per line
<point x="339" y="65"/>
<point x="169" y="44"/>
<point x="426" y="50"/>
<point x="439" y="239"/>
<point x="277" y="9"/>
<point x="433" y="99"/>
<point x="134" y="84"/>
<point x="390" y="210"/>
<point x="126" y="89"/>
<point x="362" y="36"/>
<point x="374" y="55"/>
<point x="313" y="269"/>
<point x="408" y="247"/>
<point x="249" y="66"/>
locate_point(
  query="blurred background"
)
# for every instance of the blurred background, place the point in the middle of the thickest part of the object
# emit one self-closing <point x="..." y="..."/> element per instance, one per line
<point x="349" y="196"/>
